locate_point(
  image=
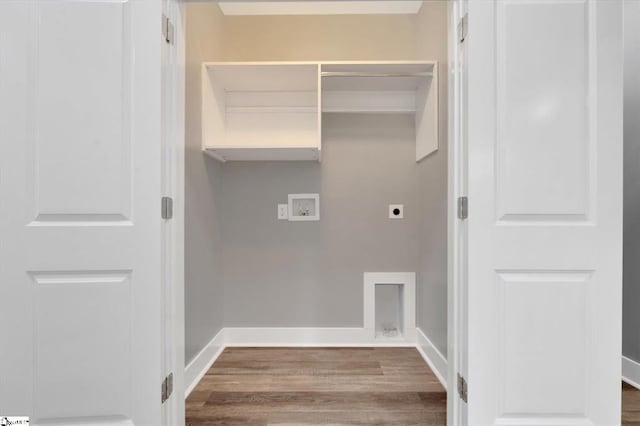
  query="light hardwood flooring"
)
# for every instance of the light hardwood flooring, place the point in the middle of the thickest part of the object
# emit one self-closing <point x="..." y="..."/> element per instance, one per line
<point x="630" y="405"/>
<point x="329" y="386"/>
<point x="318" y="386"/>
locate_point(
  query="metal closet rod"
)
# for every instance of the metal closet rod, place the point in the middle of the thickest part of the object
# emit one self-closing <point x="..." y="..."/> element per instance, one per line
<point x="374" y="74"/>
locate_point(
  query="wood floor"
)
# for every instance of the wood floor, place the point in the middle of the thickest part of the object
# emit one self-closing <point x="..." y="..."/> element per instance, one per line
<point x="318" y="386"/>
<point x="630" y="405"/>
<point x="329" y="386"/>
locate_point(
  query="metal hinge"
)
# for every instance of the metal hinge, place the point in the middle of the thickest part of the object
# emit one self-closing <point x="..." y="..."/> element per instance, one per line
<point x="463" y="27"/>
<point x="167" y="29"/>
<point x="462" y="388"/>
<point x="167" y="208"/>
<point x="463" y="208"/>
<point x="167" y="387"/>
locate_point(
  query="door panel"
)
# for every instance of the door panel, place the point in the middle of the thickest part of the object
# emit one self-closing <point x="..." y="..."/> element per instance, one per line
<point x="543" y="98"/>
<point x="80" y="222"/>
<point x="545" y="222"/>
<point x="541" y="330"/>
<point x="82" y="94"/>
<point x="82" y="318"/>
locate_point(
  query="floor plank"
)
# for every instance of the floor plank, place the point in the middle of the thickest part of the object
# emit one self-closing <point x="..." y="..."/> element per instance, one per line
<point x="318" y="386"/>
<point x="630" y="405"/>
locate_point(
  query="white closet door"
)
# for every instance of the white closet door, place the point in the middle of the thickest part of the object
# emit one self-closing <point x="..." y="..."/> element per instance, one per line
<point x="80" y="187"/>
<point x="545" y="212"/>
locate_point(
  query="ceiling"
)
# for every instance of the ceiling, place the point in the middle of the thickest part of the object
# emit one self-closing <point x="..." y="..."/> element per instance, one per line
<point x="313" y="7"/>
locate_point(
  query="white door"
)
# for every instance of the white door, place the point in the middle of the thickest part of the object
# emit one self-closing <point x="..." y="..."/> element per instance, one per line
<point x="80" y="188"/>
<point x="545" y="212"/>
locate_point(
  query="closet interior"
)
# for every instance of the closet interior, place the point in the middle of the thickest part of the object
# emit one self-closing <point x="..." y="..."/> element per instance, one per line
<point x="316" y="175"/>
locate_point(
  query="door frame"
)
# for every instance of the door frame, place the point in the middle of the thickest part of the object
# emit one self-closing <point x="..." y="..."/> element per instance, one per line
<point x="173" y="319"/>
<point x="456" y="227"/>
<point x="456" y="231"/>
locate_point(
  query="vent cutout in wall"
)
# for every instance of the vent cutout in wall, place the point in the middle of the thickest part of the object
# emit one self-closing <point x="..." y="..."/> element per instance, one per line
<point x="389" y="306"/>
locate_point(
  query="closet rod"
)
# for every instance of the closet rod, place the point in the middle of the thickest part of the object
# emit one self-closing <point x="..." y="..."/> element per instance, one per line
<point x="371" y="74"/>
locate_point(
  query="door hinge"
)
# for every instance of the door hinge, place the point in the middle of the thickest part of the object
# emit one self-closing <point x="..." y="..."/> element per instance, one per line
<point x="463" y="27"/>
<point x="167" y="387"/>
<point x="167" y="207"/>
<point x="167" y="30"/>
<point x="462" y="388"/>
<point x="463" y="208"/>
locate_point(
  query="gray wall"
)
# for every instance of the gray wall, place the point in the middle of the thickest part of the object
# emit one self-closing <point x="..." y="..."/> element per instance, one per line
<point x="203" y="273"/>
<point x="288" y="274"/>
<point x="631" y="276"/>
<point x="432" y="287"/>
<point x="431" y="292"/>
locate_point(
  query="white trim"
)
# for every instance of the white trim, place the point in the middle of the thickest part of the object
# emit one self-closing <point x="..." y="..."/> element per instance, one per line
<point x="199" y="365"/>
<point x="173" y="411"/>
<point x="432" y="356"/>
<point x="308" y="336"/>
<point x="310" y="7"/>
<point x="408" y="281"/>
<point x="456" y="229"/>
<point x="631" y="372"/>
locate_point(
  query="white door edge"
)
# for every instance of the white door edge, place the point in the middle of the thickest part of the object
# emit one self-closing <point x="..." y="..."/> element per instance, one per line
<point x="456" y="331"/>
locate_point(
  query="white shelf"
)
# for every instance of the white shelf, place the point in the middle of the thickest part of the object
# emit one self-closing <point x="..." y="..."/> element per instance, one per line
<point x="400" y="88"/>
<point x="273" y="110"/>
<point x="266" y="153"/>
<point x="261" y="111"/>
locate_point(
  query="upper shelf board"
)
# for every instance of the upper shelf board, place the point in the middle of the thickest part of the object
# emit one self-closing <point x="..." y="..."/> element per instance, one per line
<point x="379" y="67"/>
<point x="225" y="154"/>
<point x="375" y="77"/>
<point x="268" y="77"/>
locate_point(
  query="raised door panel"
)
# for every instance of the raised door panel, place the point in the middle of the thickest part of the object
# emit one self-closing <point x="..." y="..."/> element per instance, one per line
<point x="82" y="344"/>
<point x="544" y="326"/>
<point x="81" y="102"/>
<point x="545" y="106"/>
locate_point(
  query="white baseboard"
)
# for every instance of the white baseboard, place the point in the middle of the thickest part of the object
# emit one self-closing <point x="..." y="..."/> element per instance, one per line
<point x="437" y="362"/>
<point x="311" y="336"/>
<point x="631" y="372"/>
<point x="198" y="367"/>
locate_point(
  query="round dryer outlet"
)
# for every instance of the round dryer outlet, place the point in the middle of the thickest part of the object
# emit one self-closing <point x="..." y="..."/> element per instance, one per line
<point x="396" y="211"/>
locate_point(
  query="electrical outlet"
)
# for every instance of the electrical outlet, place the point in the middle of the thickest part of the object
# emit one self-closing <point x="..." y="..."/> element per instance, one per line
<point x="283" y="211"/>
<point x="396" y="211"/>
